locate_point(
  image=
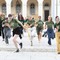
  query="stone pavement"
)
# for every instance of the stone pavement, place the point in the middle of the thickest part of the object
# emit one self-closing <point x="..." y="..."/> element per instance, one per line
<point x="41" y="46"/>
<point x="4" y="55"/>
<point x="39" y="51"/>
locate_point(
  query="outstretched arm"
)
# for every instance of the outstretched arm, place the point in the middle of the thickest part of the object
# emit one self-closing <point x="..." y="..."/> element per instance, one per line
<point x="21" y="24"/>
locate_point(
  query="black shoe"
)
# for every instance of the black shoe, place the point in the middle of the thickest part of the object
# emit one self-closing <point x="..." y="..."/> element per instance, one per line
<point x="53" y="37"/>
<point x="17" y="50"/>
<point x="20" y="45"/>
<point x="49" y="43"/>
<point x="7" y="43"/>
<point x="45" y="35"/>
<point x="42" y="35"/>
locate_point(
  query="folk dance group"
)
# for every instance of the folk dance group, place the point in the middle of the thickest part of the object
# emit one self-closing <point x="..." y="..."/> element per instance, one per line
<point x="29" y="25"/>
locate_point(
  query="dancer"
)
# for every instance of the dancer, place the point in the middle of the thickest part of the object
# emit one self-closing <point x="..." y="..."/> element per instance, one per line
<point x="57" y="24"/>
<point x="18" y="26"/>
<point x="39" y="28"/>
<point x="31" y="29"/>
<point x="2" y="18"/>
<point x="7" y="29"/>
<point x="50" y="31"/>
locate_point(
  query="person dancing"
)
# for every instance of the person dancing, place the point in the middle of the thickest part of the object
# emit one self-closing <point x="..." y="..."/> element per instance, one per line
<point x="31" y="29"/>
<point x="17" y="30"/>
<point x="39" y="28"/>
<point x="50" y="31"/>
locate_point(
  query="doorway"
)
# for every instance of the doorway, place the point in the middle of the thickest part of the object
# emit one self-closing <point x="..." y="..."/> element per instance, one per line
<point x="46" y="14"/>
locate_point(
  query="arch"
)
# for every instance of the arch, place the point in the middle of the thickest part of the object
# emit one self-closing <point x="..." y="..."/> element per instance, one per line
<point x="32" y="6"/>
<point x="16" y="6"/>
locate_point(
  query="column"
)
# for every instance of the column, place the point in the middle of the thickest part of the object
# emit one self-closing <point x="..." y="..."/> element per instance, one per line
<point x="40" y="8"/>
<point x="58" y="8"/>
<point x="8" y="7"/>
<point x="53" y="9"/>
<point x="24" y="8"/>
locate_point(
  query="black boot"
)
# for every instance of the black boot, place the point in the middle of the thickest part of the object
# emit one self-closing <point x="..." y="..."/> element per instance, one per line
<point x="17" y="50"/>
<point x="49" y="41"/>
<point x="20" y="45"/>
<point x="6" y="40"/>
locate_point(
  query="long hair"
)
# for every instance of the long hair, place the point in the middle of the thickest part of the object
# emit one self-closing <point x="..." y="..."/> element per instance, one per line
<point x="20" y="17"/>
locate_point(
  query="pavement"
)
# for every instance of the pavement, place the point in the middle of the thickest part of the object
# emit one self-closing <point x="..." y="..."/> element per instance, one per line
<point x="39" y="51"/>
<point x="4" y="55"/>
<point x="41" y="46"/>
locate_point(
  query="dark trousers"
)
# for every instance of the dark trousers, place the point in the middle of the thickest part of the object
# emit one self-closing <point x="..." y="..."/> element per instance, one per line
<point x="7" y="34"/>
<point x="50" y="33"/>
<point x="0" y="32"/>
<point x="18" y="31"/>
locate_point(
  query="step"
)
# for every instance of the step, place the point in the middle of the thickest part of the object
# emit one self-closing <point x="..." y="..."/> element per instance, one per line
<point x="29" y="49"/>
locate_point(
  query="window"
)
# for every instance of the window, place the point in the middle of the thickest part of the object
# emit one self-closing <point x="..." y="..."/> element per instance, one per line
<point x="32" y="9"/>
<point x="4" y="8"/>
<point x="18" y="7"/>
